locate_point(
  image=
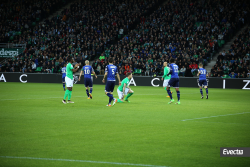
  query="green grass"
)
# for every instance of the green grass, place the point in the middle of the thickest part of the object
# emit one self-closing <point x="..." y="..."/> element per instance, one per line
<point x="35" y="123"/>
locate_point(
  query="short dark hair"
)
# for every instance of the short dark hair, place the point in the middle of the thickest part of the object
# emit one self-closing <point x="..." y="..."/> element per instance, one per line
<point x="128" y="74"/>
<point x="110" y="60"/>
<point x="70" y="58"/>
<point x="171" y="60"/>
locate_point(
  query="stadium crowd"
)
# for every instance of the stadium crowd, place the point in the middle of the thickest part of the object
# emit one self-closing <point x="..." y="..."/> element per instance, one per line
<point x="83" y="31"/>
<point x="18" y="17"/>
<point x="139" y="35"/>
<point x="234" y="63"/>
<point x="188" y="32"/>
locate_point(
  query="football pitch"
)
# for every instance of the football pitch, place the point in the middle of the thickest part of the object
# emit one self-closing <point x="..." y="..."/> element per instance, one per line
<point x="37" y="129"/>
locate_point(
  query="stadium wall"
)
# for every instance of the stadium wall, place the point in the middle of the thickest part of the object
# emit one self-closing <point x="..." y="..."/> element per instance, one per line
<point x="136" y="81"/>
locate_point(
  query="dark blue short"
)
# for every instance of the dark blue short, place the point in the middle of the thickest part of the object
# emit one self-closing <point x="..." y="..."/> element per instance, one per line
<point x="88" y="82"/>
<point x="173" y="82"/>
<point x="202" y="82"/>
<point x="110" y="85"/>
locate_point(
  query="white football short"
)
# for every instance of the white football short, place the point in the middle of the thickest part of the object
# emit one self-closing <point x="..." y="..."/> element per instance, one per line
<point x="120" y="93"/>
<point x="69" y="82"/>
<point x="165" y="82"/>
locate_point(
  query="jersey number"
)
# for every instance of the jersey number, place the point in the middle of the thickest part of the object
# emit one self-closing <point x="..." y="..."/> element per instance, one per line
<point x="87" y="71"/>
<point x="113" y="71"/>
<point x="203" y="72"/>
<point x="175" y="69"/>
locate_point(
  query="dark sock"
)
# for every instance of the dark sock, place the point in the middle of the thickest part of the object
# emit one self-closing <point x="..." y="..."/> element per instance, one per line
<point x="63" y="85"/>
<point x="110" y="97"/>
<point x="201" y="92"/>
<point x="178" y="95"/>
<point x="207" y="91"/>
<point x="87" y="92"/>
<point x="169" y="93"/>
<point x="90" y="91"/>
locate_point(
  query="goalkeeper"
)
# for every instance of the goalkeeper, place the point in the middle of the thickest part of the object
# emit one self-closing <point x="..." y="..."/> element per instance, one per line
<point x="124" y="89"/>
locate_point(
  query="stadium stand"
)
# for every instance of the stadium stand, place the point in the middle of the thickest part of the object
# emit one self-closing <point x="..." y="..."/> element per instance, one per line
<point x="189" y="32"/>
<point x="234" y="63"/>
<point x="140" y="35"/>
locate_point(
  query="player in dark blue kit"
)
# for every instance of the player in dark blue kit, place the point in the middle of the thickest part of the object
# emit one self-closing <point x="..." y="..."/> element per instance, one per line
<point x="174" y="81"/>
<point x="63" y="76"/>
<point x="202" y="73"/>
<point x="110" y="72"/>
<point x="87" y="70"/>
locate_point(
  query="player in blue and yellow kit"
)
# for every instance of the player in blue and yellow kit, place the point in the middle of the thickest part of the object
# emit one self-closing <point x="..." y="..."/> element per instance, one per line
<point x="202" y="73"/>
<point x="87" y="70"/>
<point x="174" y="81"/>
<point x="63" y="76"/>
<point x="110" y="72"/>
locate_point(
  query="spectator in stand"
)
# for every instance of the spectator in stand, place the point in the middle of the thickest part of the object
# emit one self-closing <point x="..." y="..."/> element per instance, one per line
<point x="232" y="75"/>
<point x="127" y="67"/>
<point x="33" y="67"/>
<point x="193" y="67"/>
<point x="182" y="71"/>
<point x="102" y="57"/>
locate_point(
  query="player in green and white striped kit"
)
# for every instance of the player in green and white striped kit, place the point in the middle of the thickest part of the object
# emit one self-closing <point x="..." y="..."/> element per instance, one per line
<point x="165" y="76"/>
<point x="124" y="89"/>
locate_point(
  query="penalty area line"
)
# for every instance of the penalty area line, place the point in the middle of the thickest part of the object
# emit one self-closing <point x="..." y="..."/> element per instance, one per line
<point x="83" y="161"/>
<point x="215" y="116"/>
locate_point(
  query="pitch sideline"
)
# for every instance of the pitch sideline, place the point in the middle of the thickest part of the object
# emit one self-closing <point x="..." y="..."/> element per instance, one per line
<point x="83" y="161"/>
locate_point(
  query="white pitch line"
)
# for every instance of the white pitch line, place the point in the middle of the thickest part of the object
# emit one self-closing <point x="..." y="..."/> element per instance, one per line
<point x="84" y="161"/>
<point x="222" y="122"/>
<point x="215" y="116"/>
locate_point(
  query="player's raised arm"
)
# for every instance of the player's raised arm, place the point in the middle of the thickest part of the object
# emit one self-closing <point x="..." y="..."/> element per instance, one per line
<point x="76" y="68"/>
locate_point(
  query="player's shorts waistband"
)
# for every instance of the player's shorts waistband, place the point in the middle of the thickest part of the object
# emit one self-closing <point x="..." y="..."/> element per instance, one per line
<point x="69" y="78"/>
